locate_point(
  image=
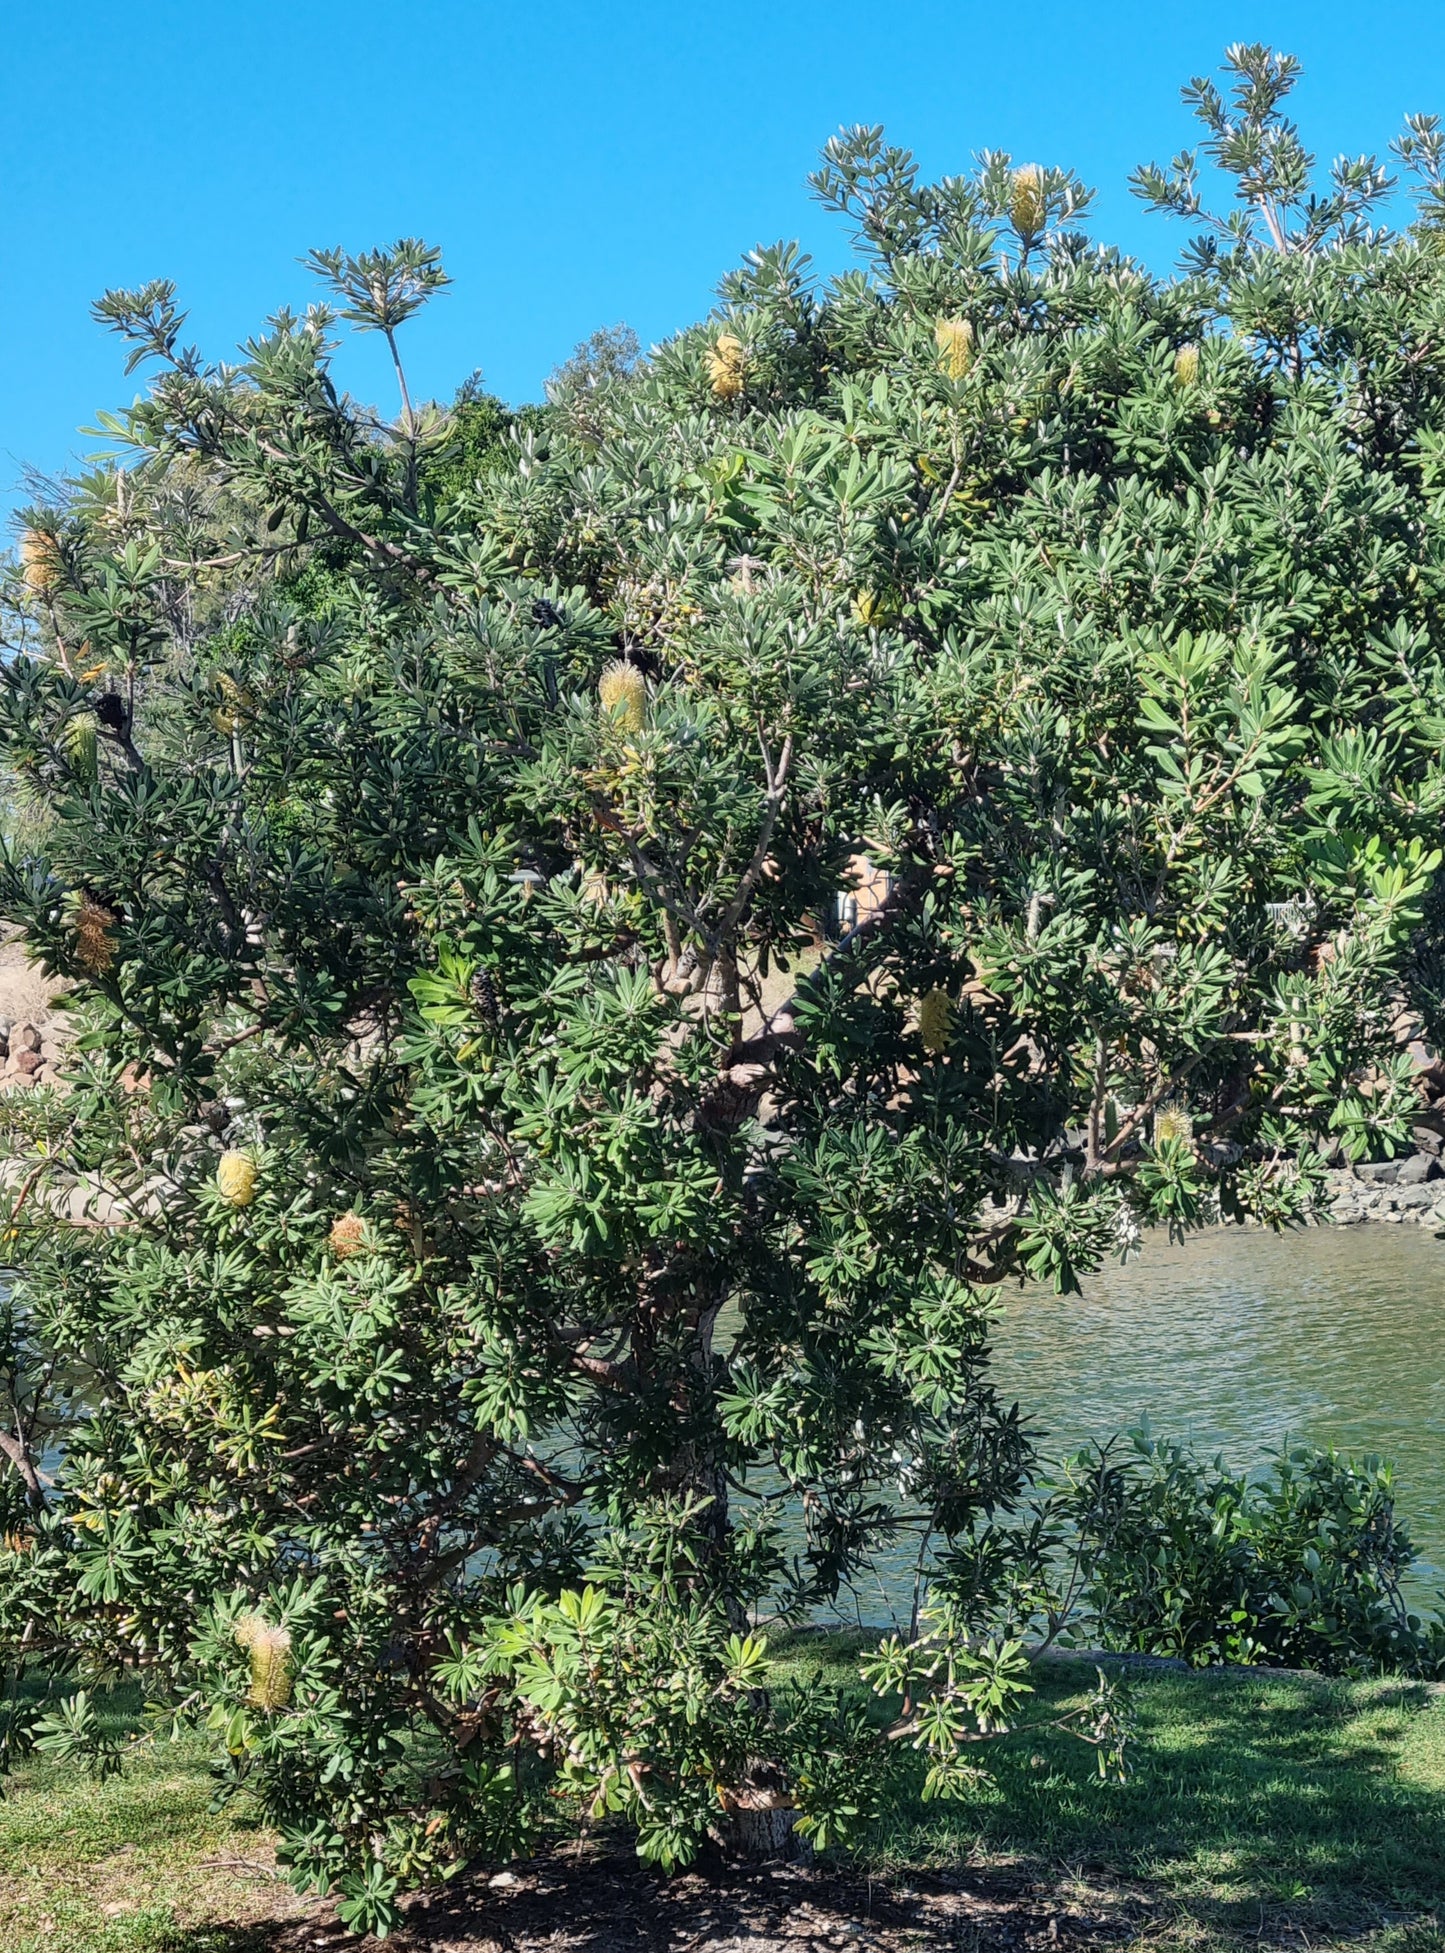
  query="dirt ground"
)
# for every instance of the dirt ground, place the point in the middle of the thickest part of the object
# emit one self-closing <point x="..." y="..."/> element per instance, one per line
<point x="604" y="1901"/>
<point x="25" y="995"/>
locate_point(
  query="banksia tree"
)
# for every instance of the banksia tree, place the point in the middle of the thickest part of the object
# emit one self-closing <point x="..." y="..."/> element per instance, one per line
<point x="504" y="1474"/>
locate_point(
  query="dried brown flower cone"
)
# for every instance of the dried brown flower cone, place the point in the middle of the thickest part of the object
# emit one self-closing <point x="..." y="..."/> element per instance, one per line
<point x="94" y="943"/>
<point x="349" y="1236"/>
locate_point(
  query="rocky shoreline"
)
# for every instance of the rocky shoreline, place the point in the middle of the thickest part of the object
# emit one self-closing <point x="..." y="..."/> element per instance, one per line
<point x="1406" y="1192"/>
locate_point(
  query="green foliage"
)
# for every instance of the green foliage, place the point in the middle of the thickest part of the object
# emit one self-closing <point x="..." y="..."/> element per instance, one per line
<point x="665" y="1210"/>
<point x="1302" y="1569"/>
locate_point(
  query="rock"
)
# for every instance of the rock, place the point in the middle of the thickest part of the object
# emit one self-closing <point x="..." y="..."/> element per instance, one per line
<point x="1416" y="1169"/>
<point x="1412" y="1200"/>
<point x="28" y="1060"/>
<point x="28" y="1038"/>
<point x="1427" y="1140"/>
<point x="1379" y="1173"/>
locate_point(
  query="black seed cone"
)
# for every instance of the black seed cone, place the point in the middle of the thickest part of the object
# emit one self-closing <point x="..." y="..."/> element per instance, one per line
<point x="484" y="996"/>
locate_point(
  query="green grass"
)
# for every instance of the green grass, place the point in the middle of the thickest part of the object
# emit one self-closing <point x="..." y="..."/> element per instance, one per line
<point x="1262" y="1808"/>
<point x="137" y="1865"/>
<point x="1280" y="1804"/>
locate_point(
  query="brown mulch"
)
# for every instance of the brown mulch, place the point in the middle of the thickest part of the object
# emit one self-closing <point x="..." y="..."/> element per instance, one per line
<point x="604" y="1901"/>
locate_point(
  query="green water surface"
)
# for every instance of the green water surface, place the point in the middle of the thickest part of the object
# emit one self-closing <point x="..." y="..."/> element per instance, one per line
<point x="1240" y="1341"/>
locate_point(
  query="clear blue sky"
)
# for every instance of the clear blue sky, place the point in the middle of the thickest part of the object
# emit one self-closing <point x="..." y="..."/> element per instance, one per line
<point x="579" y="164"/>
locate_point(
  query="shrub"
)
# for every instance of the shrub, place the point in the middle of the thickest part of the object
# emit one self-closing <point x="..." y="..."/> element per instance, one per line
<point x="1300" y="1569"/>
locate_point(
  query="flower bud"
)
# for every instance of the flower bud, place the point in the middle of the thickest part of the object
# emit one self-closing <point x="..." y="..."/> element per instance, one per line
<point x="40" y="556"/>
<point x="1028" y="206"/>
<point x="935" y="1021"/>
<point x="80" y="747"/>
<point x="270" y="1651"/>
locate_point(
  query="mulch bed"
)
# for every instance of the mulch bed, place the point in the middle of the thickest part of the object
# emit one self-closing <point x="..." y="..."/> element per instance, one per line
<point x="601" y="1900"/>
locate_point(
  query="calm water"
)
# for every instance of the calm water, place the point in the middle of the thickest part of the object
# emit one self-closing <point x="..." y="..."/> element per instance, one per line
<point x="1237" y="1341"/>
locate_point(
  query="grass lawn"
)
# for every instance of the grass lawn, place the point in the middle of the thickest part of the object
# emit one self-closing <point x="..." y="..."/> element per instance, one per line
<point x="1272" y="1809"/>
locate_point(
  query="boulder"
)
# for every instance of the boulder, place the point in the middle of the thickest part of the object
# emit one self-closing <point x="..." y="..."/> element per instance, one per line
<point x="1416" y="1169"/>
<point x="1378" y="1173"/>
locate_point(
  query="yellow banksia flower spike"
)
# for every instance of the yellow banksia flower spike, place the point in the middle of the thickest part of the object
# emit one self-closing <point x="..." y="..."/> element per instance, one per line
<point x="954" y="339"/>
<point x="935" y="1021"/>
<point x="1028" y="207"/>
<point x="1186" y="365"/>
<point x="81" y="749"/>
<point x="727" y="363"/>
<point x="227" y="715"/>
<point x="40" y="560"/>
<point x="270" y="1651"/>
<point x="1172" y="1121"/>
<point x="236" y="1179"/>
<point x="622" y="694"/>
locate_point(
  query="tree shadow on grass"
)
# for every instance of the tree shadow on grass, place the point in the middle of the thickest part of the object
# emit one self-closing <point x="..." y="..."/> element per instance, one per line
<point x="1251" y="1793"/>
<point x="1264" y="1809"/>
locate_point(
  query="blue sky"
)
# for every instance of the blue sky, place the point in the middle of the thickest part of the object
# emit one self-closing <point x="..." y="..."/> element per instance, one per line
<point x="579" y="164"/>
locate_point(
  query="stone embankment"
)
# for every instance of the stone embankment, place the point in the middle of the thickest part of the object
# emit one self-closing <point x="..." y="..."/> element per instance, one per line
<point x="1409" y="1191"/>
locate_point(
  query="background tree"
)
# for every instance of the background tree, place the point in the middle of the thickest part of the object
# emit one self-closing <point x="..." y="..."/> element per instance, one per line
<point x="524" y="1254"/>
